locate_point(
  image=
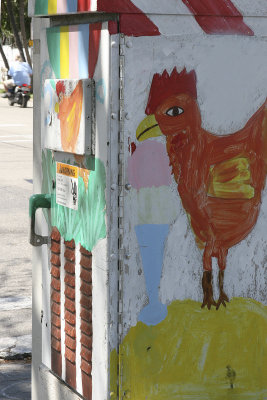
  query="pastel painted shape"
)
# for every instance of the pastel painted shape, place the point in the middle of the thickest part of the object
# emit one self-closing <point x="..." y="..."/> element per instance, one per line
<point x="73" y="51"/>
<point x="52" y="6"/>
<point x="72" y="5"/>
<point x="41" y="7"/>
<point x="53" y="44"/>
<point x="149" y="166"/>
<point x="48" y="95"/>
<point x="62" y="6"/>
<point x="83" y="51"/>
<point x="151" y="239"/>
<point x="64" y="52"/>
<point x="101" y="90"/>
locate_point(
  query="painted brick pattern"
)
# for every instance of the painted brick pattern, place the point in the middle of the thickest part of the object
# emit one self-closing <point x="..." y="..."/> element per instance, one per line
<point x="70" y="313"/>
<point x="86" y="322"/>
<point x="56" y="357"/>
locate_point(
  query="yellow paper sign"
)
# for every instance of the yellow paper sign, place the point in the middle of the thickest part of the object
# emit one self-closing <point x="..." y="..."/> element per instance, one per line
<point x="67" y="170"/>
<point x="67" y="186"/>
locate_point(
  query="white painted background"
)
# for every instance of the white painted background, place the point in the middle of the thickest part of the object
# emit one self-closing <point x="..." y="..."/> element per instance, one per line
<point x="231" y="85"/>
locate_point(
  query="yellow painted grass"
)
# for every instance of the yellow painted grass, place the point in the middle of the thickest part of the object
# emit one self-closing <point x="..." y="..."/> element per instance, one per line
<point x="185" y="356"/>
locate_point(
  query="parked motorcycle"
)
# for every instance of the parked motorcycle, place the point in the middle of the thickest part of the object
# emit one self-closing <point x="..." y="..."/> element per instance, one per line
<point x="19" y="95"/>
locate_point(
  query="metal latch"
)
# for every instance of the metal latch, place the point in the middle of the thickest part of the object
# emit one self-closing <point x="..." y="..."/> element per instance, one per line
<point x="38" y="201"/>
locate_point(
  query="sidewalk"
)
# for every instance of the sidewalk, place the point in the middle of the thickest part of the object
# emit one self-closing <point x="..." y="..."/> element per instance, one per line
<point x="15" y="256"/>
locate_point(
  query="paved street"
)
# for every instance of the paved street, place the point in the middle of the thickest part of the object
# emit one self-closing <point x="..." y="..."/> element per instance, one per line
<point x="15" y="256"/>
<point x="15" y="381"/>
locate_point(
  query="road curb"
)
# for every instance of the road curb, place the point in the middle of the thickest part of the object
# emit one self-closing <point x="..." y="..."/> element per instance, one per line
<point x="17" y="357"/>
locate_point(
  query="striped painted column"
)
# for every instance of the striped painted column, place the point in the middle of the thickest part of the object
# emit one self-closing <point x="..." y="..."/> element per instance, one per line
<point x="70" y="313"/>
<point x="73" y="50"/>
<point x="56" y="358"/>
<point x="86" y="322"/>
<point x="66" y="301"/>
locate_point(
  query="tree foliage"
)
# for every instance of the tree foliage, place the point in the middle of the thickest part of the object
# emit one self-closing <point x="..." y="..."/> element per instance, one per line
<point x="23" y="30"/>
<point x="15" y="28"/>
<point x="7" y="34"/>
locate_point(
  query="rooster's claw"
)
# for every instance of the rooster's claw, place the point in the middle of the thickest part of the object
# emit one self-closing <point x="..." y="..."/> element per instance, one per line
<point x="208" y="301"/>
<point x="222" y="299"/>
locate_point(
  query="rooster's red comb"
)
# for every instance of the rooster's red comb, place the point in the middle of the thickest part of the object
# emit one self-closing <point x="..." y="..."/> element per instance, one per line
<point x="166" y="85"/>
<point x="60" y="87"/>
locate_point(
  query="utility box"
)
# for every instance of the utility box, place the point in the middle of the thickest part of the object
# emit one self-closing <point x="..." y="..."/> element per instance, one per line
<point x="150" y="161"/>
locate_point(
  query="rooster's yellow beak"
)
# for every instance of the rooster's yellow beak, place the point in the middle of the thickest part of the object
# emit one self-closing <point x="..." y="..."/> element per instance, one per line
<point x="148" y="128"/>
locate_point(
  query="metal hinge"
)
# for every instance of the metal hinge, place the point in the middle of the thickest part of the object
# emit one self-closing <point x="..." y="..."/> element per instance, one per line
<point x="121" y="201"/>
<point x="121" y="171"/>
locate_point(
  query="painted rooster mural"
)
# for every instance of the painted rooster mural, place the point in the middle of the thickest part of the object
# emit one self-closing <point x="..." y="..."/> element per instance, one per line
<point x="220" y="179"/>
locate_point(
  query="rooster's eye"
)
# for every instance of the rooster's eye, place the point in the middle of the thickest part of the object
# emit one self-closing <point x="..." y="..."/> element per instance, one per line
<point x="174" y="111"/>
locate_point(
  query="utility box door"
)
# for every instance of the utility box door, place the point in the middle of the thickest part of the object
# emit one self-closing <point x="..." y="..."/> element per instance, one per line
<point x="195" y="207"/>
<point x="77" y="170"/>
<point x="70" y="115"/>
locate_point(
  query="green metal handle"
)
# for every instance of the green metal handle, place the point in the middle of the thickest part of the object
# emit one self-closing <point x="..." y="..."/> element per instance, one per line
<point x="38" y="201"/>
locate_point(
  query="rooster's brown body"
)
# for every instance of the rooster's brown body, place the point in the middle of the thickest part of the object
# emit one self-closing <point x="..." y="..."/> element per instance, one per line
<point x="220" y="178"/>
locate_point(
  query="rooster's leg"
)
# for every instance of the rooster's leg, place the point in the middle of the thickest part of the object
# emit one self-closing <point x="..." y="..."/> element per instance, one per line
<point x="222" y="264"/>
<point x="208" y="299"/>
